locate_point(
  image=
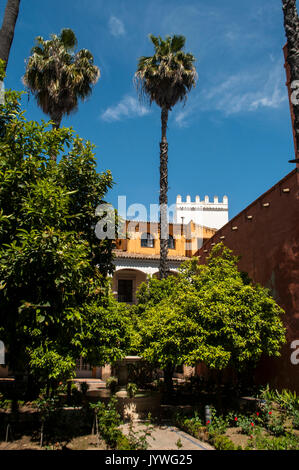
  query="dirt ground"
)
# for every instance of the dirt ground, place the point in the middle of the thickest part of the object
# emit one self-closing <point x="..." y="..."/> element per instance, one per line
<point x="88" y="442"/>
<point x="237" y="437"/>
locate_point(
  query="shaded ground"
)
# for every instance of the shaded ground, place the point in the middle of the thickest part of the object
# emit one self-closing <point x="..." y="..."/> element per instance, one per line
<point x="236" y="436"/>
<point x="163" y="438"/>
<point x="89" y="442"/>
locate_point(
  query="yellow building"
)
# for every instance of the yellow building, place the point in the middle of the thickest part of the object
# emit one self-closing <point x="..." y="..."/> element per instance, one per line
<point x="137" y="256"/>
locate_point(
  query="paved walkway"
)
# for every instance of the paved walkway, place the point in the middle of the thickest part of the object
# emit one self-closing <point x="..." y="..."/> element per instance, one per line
<point x="93" y="384"/>
<point x="165" y="437"/>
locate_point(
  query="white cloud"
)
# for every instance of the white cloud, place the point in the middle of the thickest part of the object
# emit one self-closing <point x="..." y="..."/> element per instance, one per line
<point x="128" y="107"/>
<point x="245" y="92"/>
<point x="249" y="92"/>
<point x="116" y="26"/>
<point x="180" y="118"/>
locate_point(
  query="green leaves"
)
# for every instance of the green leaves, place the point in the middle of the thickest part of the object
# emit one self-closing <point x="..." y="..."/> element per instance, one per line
<point x="208" y="314"/>
<point x="2" y="70"/>
<point x="68" y="38"/>
<point x="55" y="300"/>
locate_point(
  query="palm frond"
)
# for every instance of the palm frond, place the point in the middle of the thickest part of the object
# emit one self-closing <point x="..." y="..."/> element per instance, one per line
<point x="68" y="38"/>
<point x="177" y="43"/>
<point x="57" y="76"/>
<point x="168" y="75"/>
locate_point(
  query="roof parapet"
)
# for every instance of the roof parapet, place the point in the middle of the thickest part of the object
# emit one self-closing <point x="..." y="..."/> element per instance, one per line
<point x="206" y="200"/>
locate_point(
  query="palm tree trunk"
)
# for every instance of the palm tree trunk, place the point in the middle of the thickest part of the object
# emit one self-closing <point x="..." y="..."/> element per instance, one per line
<point x="56" y="121"/>
<point x="291" y="25"/>
<point x="56" y="125"/>
<point x="8" y="28"/>
<point x="163" y="269"/>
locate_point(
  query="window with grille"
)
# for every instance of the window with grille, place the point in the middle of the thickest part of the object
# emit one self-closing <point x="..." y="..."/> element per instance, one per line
<point x="171" y="242"/>
<point x="147" y="240"/>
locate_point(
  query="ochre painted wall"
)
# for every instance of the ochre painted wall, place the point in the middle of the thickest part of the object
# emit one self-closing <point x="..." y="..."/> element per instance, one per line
<point x="185" y="238"/>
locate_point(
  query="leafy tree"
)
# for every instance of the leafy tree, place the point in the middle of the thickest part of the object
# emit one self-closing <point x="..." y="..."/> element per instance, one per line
<point x="2" y="70"/>
<point x="213" y="314"/>
<point x="55" y="300"/>
<point x="7" y="30"/>
<point x="165" y="78"/>
<point x="58" y="77"/>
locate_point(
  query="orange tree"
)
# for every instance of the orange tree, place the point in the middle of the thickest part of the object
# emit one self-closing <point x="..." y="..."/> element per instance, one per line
<point x="210" y="313"/>
<point x="55" y="300"/>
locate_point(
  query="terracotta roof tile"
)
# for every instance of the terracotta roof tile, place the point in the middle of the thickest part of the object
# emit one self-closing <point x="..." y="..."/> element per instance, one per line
<point x="125" y="254"/>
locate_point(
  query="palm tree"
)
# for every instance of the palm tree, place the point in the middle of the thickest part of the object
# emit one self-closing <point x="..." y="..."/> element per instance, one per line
<point x="165" y="78"/>
<point x="58" y="77"/>
<point x="7" y="30"/>
<point x="291" y="25"/>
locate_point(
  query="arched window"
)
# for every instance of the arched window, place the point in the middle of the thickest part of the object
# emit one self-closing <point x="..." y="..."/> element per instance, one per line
<point x="147" y="240"/>
<point x="171" y="242"/>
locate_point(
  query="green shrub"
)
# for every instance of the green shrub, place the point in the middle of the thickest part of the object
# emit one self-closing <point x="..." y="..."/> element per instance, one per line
<point x="123" y="443"/>
<point x="246" y="424"/>
<point x="217" y="424"/>
<point x="132" y="389"/>
<point x="295" y="420"/>
<point x="138" y="439"/>
<point x="47" y="407"/>
<point x="2" y="70"/>
<point x="5" y="404"/>
<point x="192" y="425"/>
<point x="288" y="442"/>
<point x="224" y="443"/>
<point x="286" y="399"/>
<point x="276" y="425"/>
<point x="108" y="421"/>
<point x="112" y="384"/>
<point x="135" y="440"/>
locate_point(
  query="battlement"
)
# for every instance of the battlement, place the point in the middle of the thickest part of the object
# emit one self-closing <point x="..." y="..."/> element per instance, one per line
<point x="213" y="214"/>
<point x="205" y="201"/>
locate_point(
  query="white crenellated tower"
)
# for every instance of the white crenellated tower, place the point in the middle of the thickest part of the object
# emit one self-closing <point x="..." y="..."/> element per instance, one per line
<point x="213" y="214"/>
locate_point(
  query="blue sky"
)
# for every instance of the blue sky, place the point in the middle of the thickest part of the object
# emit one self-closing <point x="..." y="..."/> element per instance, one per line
<point x="233" y="137"/>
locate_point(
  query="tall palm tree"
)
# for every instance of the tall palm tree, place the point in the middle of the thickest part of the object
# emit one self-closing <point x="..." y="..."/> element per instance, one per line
<point x="7" y="30"/>
<point x="58" y="76"/>
<point x="291" y="25"/>
<point x="165" y="78"/>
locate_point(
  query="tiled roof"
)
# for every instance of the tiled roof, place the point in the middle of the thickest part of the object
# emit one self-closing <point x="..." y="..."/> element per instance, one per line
<point x="178" y="225"/>
<point x="125" y="254"/>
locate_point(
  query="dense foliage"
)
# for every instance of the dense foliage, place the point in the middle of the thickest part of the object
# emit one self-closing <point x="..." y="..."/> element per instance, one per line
<point x="210" y="313"/>
<point x="269" y="423"/>
<point x="55" y="300"/>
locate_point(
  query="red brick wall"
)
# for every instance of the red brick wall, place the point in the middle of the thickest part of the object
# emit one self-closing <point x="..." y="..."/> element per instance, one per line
<point x="267" y="239"/>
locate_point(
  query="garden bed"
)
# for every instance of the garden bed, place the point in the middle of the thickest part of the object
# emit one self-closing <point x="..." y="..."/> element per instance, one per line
<point x="273" y="425"/>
